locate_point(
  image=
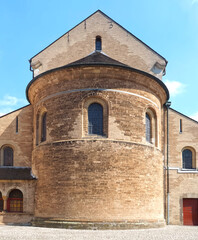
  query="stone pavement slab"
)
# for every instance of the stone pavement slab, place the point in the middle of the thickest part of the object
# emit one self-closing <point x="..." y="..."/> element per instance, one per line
<point x="37" y="233"/>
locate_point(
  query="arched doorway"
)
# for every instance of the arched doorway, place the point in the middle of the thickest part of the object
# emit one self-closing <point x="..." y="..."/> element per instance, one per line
<point x="15" y="201"/>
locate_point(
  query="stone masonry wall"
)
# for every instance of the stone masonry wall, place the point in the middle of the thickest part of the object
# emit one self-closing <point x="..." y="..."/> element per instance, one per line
<point x="129" y="97"/>
<point x="115" y="177"/>
<point x="20" y="141"/>
<point x="99" y="180"/>
<point x="79" y="42"/>
<point x="28" y="190"/>
<point x="182" y="184"/>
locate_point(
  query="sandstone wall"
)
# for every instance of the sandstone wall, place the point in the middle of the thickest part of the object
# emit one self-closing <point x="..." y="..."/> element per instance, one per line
<point x="28" y="190"/>
<point x="99" y="180"/>
<point x="127" y="95"/>
<point x="79" y="42"/>
<point x="115" y="177"/>
<point x="183" y="184"/>
<point x="20" y="141"/>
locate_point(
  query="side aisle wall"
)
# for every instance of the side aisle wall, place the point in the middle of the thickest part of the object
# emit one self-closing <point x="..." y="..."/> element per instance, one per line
<point x="16" y="133"/>
<point x="183" y="134"/>
<point x="19" y="139"/>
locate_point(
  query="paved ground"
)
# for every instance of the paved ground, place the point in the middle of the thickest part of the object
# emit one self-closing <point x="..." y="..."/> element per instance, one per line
<point x="35" y="233"/>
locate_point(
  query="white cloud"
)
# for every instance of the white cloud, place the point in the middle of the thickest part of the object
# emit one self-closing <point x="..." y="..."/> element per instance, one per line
<point x="195" y="116"/>
<point x="174" y="87"/>
<point x="4" y="111"/>
<point x="194" y="1"/>
<point x="10" y="103"/>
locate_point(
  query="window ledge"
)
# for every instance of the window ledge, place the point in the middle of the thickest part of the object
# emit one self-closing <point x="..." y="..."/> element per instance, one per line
<point x="184" y="170"/>
<point x="94" y="136"/>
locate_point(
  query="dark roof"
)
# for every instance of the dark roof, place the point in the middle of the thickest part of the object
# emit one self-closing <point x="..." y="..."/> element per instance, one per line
<point x="110" y="20"/>
<point x="96" y="58"/>
<point x="16" y="173"/>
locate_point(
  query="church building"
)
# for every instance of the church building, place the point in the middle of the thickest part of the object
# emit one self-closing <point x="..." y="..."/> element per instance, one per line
<point x="98" y="146"/>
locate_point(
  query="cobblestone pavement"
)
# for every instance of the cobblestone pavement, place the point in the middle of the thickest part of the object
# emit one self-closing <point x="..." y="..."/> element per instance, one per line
<point x="36" y="233"/>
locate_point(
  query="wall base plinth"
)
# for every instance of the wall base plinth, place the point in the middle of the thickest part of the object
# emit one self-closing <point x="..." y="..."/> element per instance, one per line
<point x="58" y="223"/>
<point x="15" y="218"/>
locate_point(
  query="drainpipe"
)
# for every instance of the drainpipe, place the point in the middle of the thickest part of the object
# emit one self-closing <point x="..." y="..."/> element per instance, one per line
<point x="30" y="61"/>
<point x="167" y="104"/>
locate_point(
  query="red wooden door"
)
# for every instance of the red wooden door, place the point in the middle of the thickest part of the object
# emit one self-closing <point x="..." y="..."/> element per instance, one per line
<point x="190" y="211"/>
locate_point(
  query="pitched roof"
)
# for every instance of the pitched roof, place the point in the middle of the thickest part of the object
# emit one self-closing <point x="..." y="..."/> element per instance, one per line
<point x="16" y="173"/>
<point x="110" y="20"/>
<point x="97" y="58"/>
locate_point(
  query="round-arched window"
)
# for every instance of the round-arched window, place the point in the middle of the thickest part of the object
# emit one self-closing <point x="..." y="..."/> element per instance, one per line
<point x="148" y="128"/>
<point x="8" y="156"/>
<point x="187" y="159"/>
<point x="95" y="119"/>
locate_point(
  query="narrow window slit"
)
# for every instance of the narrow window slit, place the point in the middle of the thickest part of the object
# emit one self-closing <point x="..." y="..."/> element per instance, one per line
<point x="43" y="127"/>
<point x="98" y="43"/>
<point x="180" y="126"/>
<point x="17" y="124"/>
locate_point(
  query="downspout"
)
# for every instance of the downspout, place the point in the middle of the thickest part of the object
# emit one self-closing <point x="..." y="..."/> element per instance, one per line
<point x="30" y="61"/>
<point x="167" y="104"/>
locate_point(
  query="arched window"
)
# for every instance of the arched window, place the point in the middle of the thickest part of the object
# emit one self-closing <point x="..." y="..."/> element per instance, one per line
<point x="43" y="127"/>
<point x="95" y="119"/>
<point x="187" y="159"/>
<point x="37" y="129"/>
<point x="15" y="201"/>
<point x="98" y="43"/>
<point x="8" y="156"/>
<point x="151" y="127"/>
<point x="148" y="128"/>
<point x="1" y="202"/>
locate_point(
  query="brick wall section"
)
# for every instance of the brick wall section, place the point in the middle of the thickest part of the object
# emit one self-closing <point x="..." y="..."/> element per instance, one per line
<point x="182" y="185"/>
<point x="116" y="43"/>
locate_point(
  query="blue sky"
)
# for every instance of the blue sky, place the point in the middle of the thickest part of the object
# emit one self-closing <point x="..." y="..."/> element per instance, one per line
<point x="170" y="27"/>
